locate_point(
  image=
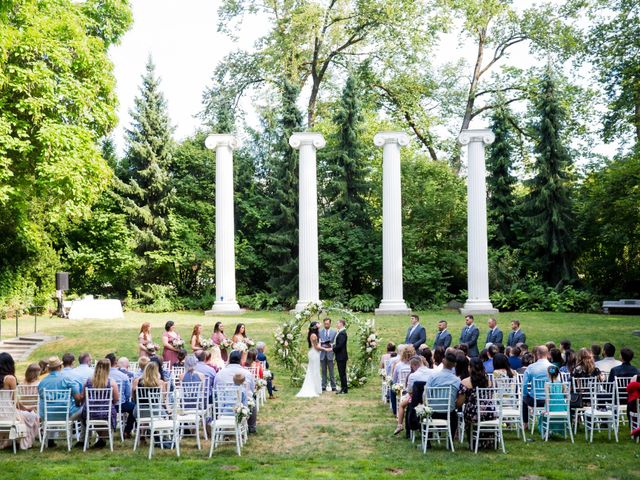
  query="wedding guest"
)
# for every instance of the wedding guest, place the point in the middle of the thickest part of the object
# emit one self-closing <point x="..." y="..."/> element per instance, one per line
<point x="182" y="354"/>
<point x="415" y="363"/>
<point x="467" y="398"/>
<point x="262" y="357"/>
<point x="555" y="357"/>
<point x="68" y="371"/>
<point x="555" y="391"/>
<point x="514" y="358"/>
<point x="190" y="375"/>
<point x="625" y="369"/>
<point x="633" y="397"/>
<point x="427" y="355"/>
<point x="146" y="347"/>
<point x="102" y="379"/>
<point x="569" y="362"/>
<point x="218" y="338"/>
<point x="534" y="376"/>
<point x="527" y="359"/>
<point x="403" y="367"/>
<point x="252" y="362"/>
<point x="165" y="374"/>
<point x="150" y="379"/>
<point x="609" y="361"/>
<point x="84" y="370"/>
<point x="391" y="347"/>
<point x="26" y="417"/>
<point x="124" y="401"/>
<point x="462" y="366"/>
<point x="565" y="346"/>
<point x="205" y="369"/>
<point x="44" y="371"/>
<point x="438" y="356"/>
<point x="123" y="366"/>
<point x="142" y="363"/>
<point x="31" y="376"/>
<point x="464" y="348"/>
<point x="488" y="363"/>
<point x="585" y="366"/>
<point x="172" y="343"/>
<point x="446" y="377"/>
<point x="196" y="338"/>
<point x="596" y="350"/>
<point x="225" y="377"/>
<point x="393" y="360"/>
<point x="550" y="346"/>
<point x="524" y="348"/>
<point x="501" y="367"/>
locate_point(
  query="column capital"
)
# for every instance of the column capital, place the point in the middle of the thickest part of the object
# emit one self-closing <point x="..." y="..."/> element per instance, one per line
<point x="221" y="140"/>
<point x="483" y="135"/>
<point x="401" y="138"/>
<point x="307" y="138"/>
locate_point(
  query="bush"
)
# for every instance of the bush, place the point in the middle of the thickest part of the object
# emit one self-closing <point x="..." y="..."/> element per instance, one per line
<point x="364" y="302"/>
<point x="260" y="301"/>
<point x="533" y="296"/>
<point x="154" y="298"/>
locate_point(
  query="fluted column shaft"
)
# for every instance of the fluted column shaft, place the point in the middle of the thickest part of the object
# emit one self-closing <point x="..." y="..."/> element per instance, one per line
<point x="225" y="227"/>
<point x="308" y="273"/>
<point x="392" y="295"/>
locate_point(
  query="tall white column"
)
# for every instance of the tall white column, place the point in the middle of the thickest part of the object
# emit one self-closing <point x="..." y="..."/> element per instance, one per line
<point x="308" y="274"/>
<point x="477" y="261"/>
<point x="392" y="299"/>
<point x="225" y="228"/>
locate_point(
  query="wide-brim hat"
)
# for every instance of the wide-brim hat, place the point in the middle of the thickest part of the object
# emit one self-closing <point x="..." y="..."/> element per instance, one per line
<point x="54" y="362"/>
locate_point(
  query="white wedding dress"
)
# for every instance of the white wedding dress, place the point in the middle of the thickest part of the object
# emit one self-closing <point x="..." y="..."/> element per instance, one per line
<point x="312" y="386"/>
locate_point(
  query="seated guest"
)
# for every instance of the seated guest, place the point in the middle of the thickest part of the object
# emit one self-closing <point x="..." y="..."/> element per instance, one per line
<point x="585" y="366"/>
<point x="534" y="377"/>
<point x="142" y="363"/>
<point x="44" y="371"/>
<point x="555" y="357"/>
<point x="181" y="354"/>
<point x="206" y="370"/>
<point x="403" y="367"/>
<point x="462" y="365"/>
<point x="527" y="359"/>
<point x="555" y="391"/>
<point x="394" y="360"/>
<point x="415" y="363"/>
<point x="514" y="358"/>
<point x="625" y="369"/>
<point x="226" y="375"/>
<point x="608" y="362"/>
<point x="501" y="367"/>
<point x="25" y="416"/>
<point x="565" y="346"/>
<point x="165" y="375"/>
<point x="262" y="357"/>
<point x="633" y="396"/>
<point x="252" y="362"/>
<point x="446" y="377"/>
<point x="492" y="350"/>
<point x="467" y="398"/>
<point x="101" y="379"/>
<point x="125" y="401"/>
<point x="150" y="379"/>
<point x="550" y="345"/>
<point x="70" y="372"/>
<point x="123" y="366"/>
<point x="596" y="350"/>
<point x="84" y="371"/>
<point x="524" y="348"/>
<point x="438" y="357"/>
<point x="391" y="347"/>
<point x="427" y="355"/>
<point x="190" y="375"/>
<point x="569" y="362"/>
<point x="31" y="376"/>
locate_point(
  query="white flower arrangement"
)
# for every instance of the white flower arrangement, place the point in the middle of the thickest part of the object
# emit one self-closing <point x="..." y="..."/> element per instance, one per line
<point x="226" y="344"/>
<point x="382" y="372"/>
<point x="398" y="388"/>
<point x="242" y="413"/>
<point x="206" y="344"/>
<point x="177" y="343"/>
<point x="260" y="384"/>
<point x="240" y="346"/>
<point x="151" y="347"/>
<point x="251" y="404"/>
<point x="423" y="411"/>
<point x="267" y="375"/>
<point x="249" y="342"/>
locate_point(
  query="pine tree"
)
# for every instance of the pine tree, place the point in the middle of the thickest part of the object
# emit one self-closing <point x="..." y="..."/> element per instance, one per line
<point x="548" y="205"/>
<point x="281" y="239"/>
<point x="346" y="232"/>
<point x="145" y="188"/>
<point x="500" y="180"/>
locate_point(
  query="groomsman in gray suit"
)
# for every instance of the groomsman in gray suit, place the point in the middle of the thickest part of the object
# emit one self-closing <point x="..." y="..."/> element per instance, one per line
<point x="327" y="337"/>
<point x="443" y="337"/>
<point x="469" y="335"/>
<point x="494" y="335"/>
<point x="516" y="335"/>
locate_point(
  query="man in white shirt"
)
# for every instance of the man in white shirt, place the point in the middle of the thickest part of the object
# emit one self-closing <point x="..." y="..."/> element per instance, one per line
<point x="608" y="362"/>
<point x="225" y="377"/>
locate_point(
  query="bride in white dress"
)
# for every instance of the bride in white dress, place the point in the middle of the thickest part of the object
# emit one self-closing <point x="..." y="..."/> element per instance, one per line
<point x="312" y="386"/>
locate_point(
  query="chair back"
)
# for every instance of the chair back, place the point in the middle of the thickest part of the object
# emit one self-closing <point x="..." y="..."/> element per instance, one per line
<point x="28" y="396"/>
<point x="149" y="402"/>
<point x="191" y="397"/>
<point x="565" y="377"/>
<point x="603" y="395"/>
<point x="488" y="403"/>
<point x="133" y="367"/>
<point x="166" y="366"/>
<point x="508" y="392"/>
<point x="490" y="377"/>
<point x="8" y="411"/>
<point x="537" y="388"/>
<point x="56" y="404"/>
<point x="228" y="397"/>
<point x="402" y="377"/>
<point x="176" y="372"/>
<point x="98" y="403"/>
<point x="254" y="371"/>
<point x="438" y="398"/>
<point x="621" y="388"/>
<point x="558" y="397"/>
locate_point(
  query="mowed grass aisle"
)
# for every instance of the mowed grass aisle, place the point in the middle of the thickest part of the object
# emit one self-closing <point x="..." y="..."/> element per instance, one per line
<point x="333" y="436"/>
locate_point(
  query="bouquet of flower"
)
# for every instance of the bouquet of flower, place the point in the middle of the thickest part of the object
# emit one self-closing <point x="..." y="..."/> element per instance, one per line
<point x="206" y="344"/>
<point x="240" y="346"/>
<point x="267" y="375"/>
<point x="423" y="411"/>
<point x="177" y="343"/>
<point x="260" y="384"/>
<point x="226" y="344"/>
<point x="397" y="388"/>
<point x="251" y="404"/>
<point x="250" y="343"/>
<point x="242" y="412"/>
<point x="151" y="348"/>
<point x="382" y="372"/>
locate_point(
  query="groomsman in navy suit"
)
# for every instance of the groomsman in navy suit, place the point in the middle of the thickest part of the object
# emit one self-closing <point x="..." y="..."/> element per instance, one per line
<point x="416" y="334"/>
<point x="494" y="335"/>
<point x="470" y="335"/>
<point x="443" y="337"/>
<point x="516" y="335"/>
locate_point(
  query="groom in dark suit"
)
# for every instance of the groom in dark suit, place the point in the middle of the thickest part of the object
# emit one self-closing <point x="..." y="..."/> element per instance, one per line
<point x="340" y="351"/>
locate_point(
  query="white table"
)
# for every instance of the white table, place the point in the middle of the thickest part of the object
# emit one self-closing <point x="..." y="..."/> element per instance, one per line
<point x="89" y="308"/>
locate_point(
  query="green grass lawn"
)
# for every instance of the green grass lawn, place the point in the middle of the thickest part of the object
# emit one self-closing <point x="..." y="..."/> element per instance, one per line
<point x="333" y="436"/>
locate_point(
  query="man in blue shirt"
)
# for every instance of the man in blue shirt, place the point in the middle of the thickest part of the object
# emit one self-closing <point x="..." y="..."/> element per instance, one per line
<point x="56" y="381"/>
<point x="69" y="372"/>
<point x="125" y="404"/>
<point x="447" y="378"/>
<point x="84" y="371"/>
<point x="534" y="377"/>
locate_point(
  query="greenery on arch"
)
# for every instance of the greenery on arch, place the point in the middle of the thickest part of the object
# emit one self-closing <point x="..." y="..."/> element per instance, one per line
<point x="291" y="352"/>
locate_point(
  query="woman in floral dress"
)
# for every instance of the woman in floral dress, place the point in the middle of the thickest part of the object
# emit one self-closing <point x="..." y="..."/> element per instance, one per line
<point x="467" y="398"/>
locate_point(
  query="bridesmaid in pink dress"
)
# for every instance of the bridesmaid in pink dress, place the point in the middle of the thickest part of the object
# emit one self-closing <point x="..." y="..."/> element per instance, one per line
<point x="170" y="353"/>
<point x="144" y="339"/>
<point x="218" y="337"/>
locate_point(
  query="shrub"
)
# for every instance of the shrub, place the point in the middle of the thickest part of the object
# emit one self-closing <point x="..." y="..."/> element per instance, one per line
<point x="364" y="302"/>
<point x="260" y="301"/>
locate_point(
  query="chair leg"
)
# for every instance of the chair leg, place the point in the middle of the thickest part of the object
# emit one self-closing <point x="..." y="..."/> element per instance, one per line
<point x="86" y="437"/>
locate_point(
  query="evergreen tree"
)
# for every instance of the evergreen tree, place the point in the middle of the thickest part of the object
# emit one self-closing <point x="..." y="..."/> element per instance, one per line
<point x="346" y="232"/>
<point x="145" y="188"/>
<point x="548" y="205"/>
<point x="500" y="180"/>
<point x="281" y="189"/>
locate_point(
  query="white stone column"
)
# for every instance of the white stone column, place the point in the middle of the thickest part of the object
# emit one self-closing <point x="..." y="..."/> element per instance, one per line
<point x="225" y="228"/>
<point x="392" y="299"/>
<point x="477" y="261"/>
<point x="308" y="274"/>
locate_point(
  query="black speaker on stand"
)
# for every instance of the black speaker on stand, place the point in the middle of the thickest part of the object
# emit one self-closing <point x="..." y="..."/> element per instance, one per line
<point x="62" y="285"/>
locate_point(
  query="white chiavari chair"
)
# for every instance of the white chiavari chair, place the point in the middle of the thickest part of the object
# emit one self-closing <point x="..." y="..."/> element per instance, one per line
<point x="98" y="403"/>
<point x="56" y="405"/>
<point x="225" y="424"/>
<point x="602" y="412"/>
<point x="440" y="401"/>
<point x="488" y="406"/>
<point x="557" y="411"/>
